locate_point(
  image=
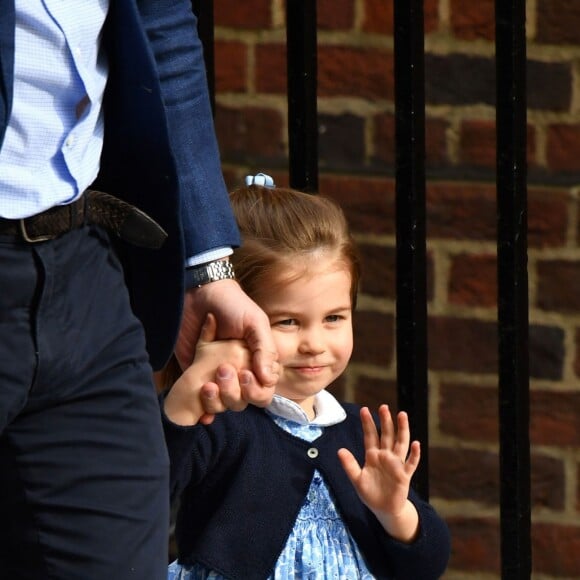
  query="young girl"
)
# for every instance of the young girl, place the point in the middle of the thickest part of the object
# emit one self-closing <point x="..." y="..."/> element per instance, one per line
<point x="279" y="493"/>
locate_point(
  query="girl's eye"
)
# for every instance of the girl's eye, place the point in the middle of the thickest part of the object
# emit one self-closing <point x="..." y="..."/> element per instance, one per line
<point x="333" y="318"/>
<point x="286" y="322"/>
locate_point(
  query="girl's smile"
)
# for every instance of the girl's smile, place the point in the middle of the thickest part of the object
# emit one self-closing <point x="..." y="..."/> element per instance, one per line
<point x="304" y="370"/>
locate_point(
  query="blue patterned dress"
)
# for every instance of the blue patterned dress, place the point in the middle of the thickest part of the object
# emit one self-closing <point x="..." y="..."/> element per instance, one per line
<point x="319" y="546"/>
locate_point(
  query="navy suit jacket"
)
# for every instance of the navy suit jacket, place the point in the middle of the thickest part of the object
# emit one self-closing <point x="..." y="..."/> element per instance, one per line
<point x="160" y="151"/>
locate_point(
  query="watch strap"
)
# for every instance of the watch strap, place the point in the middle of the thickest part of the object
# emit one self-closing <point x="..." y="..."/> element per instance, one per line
<point x="196" y="276"/>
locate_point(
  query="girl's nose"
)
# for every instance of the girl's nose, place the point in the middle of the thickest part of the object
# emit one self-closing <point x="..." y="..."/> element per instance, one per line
<point x="311" y="342"/>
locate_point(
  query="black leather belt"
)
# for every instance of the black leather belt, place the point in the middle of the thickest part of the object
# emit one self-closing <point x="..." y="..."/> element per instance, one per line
<point x="94" y="207"/>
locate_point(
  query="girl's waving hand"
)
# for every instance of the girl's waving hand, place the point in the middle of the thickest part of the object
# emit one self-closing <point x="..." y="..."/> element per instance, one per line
<point x="382" y="483"/>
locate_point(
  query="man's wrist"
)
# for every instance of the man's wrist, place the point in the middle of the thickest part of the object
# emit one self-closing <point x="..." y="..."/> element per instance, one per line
<point x="196" y="276"/>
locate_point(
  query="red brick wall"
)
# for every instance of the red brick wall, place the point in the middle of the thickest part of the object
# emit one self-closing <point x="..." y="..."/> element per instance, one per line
<point x="356" y="146"/>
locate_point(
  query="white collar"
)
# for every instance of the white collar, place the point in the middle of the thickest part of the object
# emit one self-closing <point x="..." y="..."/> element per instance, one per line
<point x="328" y="410"/>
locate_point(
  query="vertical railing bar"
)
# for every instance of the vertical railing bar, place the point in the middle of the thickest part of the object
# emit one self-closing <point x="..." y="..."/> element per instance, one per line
<point x="205" y="25"/>
<point x="513" y="324"/>
<point x="302" y="94"/>
<point x="411" y="309"/>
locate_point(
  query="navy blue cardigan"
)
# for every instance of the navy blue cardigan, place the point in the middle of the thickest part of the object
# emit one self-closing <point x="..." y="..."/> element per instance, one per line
<point x="243" y="479"/>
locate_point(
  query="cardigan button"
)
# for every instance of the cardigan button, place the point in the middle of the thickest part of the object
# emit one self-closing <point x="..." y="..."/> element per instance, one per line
<point x="312" y="453"/>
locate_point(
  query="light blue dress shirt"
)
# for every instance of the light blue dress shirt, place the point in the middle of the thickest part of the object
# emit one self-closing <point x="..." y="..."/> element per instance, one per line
<point x="54" y="138"/>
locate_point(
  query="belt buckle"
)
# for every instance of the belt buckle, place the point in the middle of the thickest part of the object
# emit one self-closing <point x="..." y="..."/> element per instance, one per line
<point x="31" y="239"/>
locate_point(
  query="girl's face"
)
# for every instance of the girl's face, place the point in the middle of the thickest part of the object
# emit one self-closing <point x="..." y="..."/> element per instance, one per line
<point x="311" y="320"/>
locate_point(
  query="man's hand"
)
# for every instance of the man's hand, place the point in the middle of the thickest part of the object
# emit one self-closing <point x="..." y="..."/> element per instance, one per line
<point x="238" y="317"/>
<point x="200" y="392"/>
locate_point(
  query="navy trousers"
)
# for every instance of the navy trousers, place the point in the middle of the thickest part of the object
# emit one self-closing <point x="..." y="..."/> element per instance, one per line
<point x="83" y="463"/>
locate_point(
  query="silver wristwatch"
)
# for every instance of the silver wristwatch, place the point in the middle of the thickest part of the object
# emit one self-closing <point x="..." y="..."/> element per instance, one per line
<point x="196" y="276"/>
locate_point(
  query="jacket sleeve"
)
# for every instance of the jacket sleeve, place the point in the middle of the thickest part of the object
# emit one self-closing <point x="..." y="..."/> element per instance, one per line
<point x="427" y="557"/>
<point x="183" y="446"/>
<point x="194" y="451"/>
<point x="207" y="218"/>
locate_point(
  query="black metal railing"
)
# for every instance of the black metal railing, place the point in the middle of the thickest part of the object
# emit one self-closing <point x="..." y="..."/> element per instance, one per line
<point x="511" y="113"/>
<point x="411" y="311"/>
<point x="301" y="54"/>
<point x="411" y="317"/>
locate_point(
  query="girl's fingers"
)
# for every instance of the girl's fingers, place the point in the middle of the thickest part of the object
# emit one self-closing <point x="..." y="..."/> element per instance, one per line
<point x="206" y="419"/>
<point x="209" y="329"/>
<point x="230" y="391"/>
<point x="401" y="446"/>
<point x="252" y="391"/>
<point x="349" y="464"/>
<point x="414" y="457"/>
<point x="398" y="442"/>
<point x="209" y="396"/>
<point x="387" y="427"/>
<point x="370" y="434"/>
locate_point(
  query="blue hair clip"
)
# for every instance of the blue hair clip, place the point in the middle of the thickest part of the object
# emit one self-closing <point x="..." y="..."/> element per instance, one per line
<point x="260" y="179"/>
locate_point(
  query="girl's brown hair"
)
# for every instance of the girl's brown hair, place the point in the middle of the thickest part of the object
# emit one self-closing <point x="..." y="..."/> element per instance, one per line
<point x="281" y="229"/>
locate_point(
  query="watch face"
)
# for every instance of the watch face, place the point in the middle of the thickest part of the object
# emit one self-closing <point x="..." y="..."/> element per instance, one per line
<point x="202" y="275"/>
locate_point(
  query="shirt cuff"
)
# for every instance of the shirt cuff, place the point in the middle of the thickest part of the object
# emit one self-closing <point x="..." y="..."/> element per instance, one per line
<point x="209" y="256"/>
